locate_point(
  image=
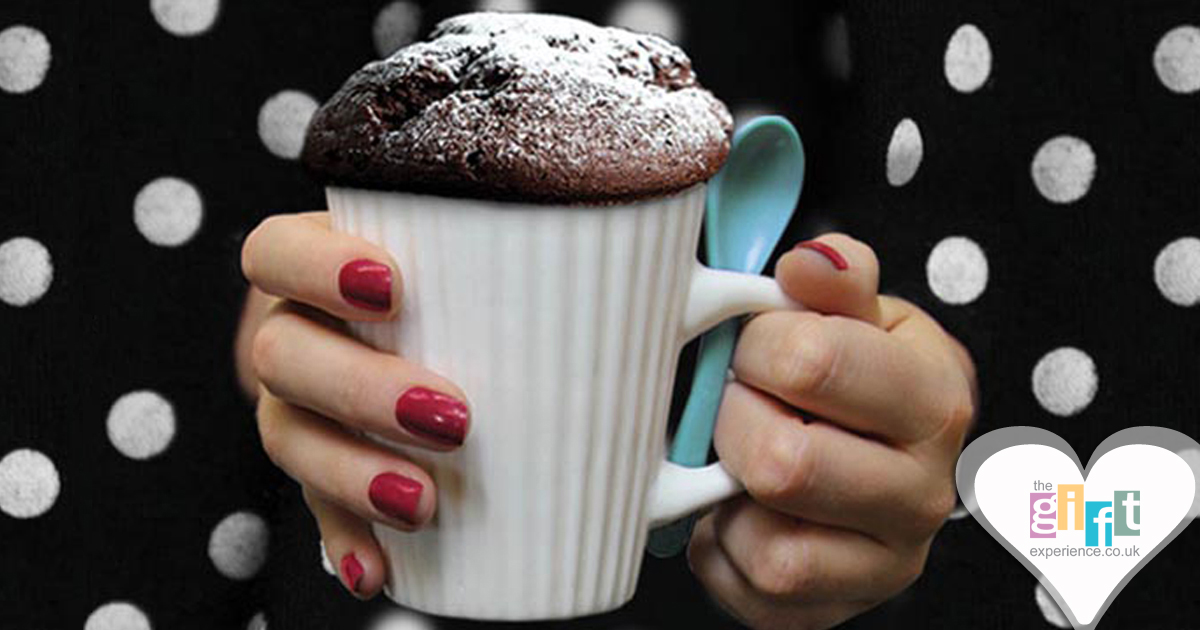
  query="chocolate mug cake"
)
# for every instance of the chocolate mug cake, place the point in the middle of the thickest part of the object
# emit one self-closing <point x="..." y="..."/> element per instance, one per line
<point x="524" y="108"/>
<point x="540" y="183"/>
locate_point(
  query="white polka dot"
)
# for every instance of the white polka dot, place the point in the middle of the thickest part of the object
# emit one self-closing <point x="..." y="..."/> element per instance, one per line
<point x="168" y="211"/>
<point x="257" y="622"/>
<point x="904" y="152"/>
<point x="1065" y="381"/>
<point x="396" y="26"/>
<point x="25" y="271"/>
<point x="117" y="616"/>
<point x="325" y="563"/>
<point x="835" y="47"/>
<point x="1177" y="271"/>
<point x="746" y="113"/>
<point x="1063" y="169"/>
<point x="957" y="270"/>
<point x="283" y="120"/>
<point x="506" y="6"/>
<point x="141" y="424"/>
<point x="238" y="545"/>
<point x="185" y="18"/>
<point x="1049" y="608"/>
<point x="1177" y="59"/>
<point x="24" y="59"/>
<point x="401" y="620"/>
<point x="29" y="483"/>
<point x="648" y="16"/>
<point x="1192" y="457"/>
<point x="968" y="60"/>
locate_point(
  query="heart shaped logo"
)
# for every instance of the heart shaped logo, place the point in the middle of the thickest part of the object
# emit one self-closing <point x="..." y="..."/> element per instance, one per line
<point x="1084" y="532"/>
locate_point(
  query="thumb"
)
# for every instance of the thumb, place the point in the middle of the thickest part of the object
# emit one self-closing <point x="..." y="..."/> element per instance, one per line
<point x="833" y="274"/>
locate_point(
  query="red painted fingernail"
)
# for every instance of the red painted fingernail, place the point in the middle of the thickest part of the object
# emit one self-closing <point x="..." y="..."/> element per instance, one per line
<point x="366" y="284"/>
<point x="433" y="415"/>
<point x="396" y="495"/>
<point x="832" y="254"/>
<point x="352" y="571"/>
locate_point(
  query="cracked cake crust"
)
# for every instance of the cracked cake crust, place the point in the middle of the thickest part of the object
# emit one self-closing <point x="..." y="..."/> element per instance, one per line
<point x="523" y="107"/>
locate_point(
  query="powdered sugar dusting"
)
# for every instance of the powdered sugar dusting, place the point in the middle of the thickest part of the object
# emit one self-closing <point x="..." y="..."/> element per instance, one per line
<point x="525" y="105"/>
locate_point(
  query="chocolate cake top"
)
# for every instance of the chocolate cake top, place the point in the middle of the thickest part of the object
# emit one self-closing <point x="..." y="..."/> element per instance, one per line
<point x="523" y="107"/>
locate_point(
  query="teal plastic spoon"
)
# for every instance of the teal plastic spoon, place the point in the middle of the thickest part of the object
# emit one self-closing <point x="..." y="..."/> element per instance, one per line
<point x="749" y="205"/>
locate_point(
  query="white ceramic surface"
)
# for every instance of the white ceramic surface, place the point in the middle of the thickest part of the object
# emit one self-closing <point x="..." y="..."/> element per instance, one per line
<point x="563" y="326"/>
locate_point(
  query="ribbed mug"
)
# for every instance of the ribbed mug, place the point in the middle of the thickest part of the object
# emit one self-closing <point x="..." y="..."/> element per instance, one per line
<point x="563" y="326"/>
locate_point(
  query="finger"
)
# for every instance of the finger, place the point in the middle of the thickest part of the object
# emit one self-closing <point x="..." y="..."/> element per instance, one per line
<point x="832" y="274"/>
<point x="852" y="373"/>
<point x="908" y="322"/>
<point x="787" y="558"/>
<point x="368" y="480"/>
<point x="350" y="546"/>
<point x="313" y="366"/>
<point x="298" y="257"/>
<point x="737" y="595"/>
<point x="825" y="474"/>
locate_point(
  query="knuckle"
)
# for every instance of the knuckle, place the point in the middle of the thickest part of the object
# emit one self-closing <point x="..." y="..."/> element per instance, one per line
<point x="351" y="393"/>
<point x="263" y="350"/>
<point x="934" y="510"/>
<point x="252" y="244"/>
<point x="249" y="269"/>
<point x="806" y="358"/>
<point x="268" y="343"/>
<point x="958" y="413"/>
<point x="269" y="430"/>
<point x="781" y="568"/>
<point x="783" y="471"/>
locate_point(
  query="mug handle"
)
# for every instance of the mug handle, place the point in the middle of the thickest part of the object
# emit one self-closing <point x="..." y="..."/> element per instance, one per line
<point x="714" y="295"/>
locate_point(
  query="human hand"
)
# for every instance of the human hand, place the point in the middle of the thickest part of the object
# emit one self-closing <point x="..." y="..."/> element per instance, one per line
<point x="844" y="424"/>
<point x="317" y="388"/>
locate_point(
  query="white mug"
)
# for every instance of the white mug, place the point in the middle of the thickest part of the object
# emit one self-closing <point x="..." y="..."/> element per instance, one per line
<point x="563" y="326"/>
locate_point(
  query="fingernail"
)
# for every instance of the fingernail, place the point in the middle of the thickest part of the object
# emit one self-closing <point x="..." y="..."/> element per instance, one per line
<point x="396" y="495"/>
<point x="828" y="252"/>
<point x="433" y="415"/>
<point x="352" y="571"/>
<point x="366" y="284"/>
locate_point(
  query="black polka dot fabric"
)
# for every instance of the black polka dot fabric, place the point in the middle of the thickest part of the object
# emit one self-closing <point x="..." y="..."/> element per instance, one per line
<point x="1027" y="172"/>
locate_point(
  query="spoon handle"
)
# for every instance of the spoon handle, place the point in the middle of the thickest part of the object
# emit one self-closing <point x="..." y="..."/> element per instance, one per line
<point x="694" y="435"/>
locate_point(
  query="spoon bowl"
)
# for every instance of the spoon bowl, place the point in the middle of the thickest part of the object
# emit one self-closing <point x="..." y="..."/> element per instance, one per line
<point x="751" y="200"/>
